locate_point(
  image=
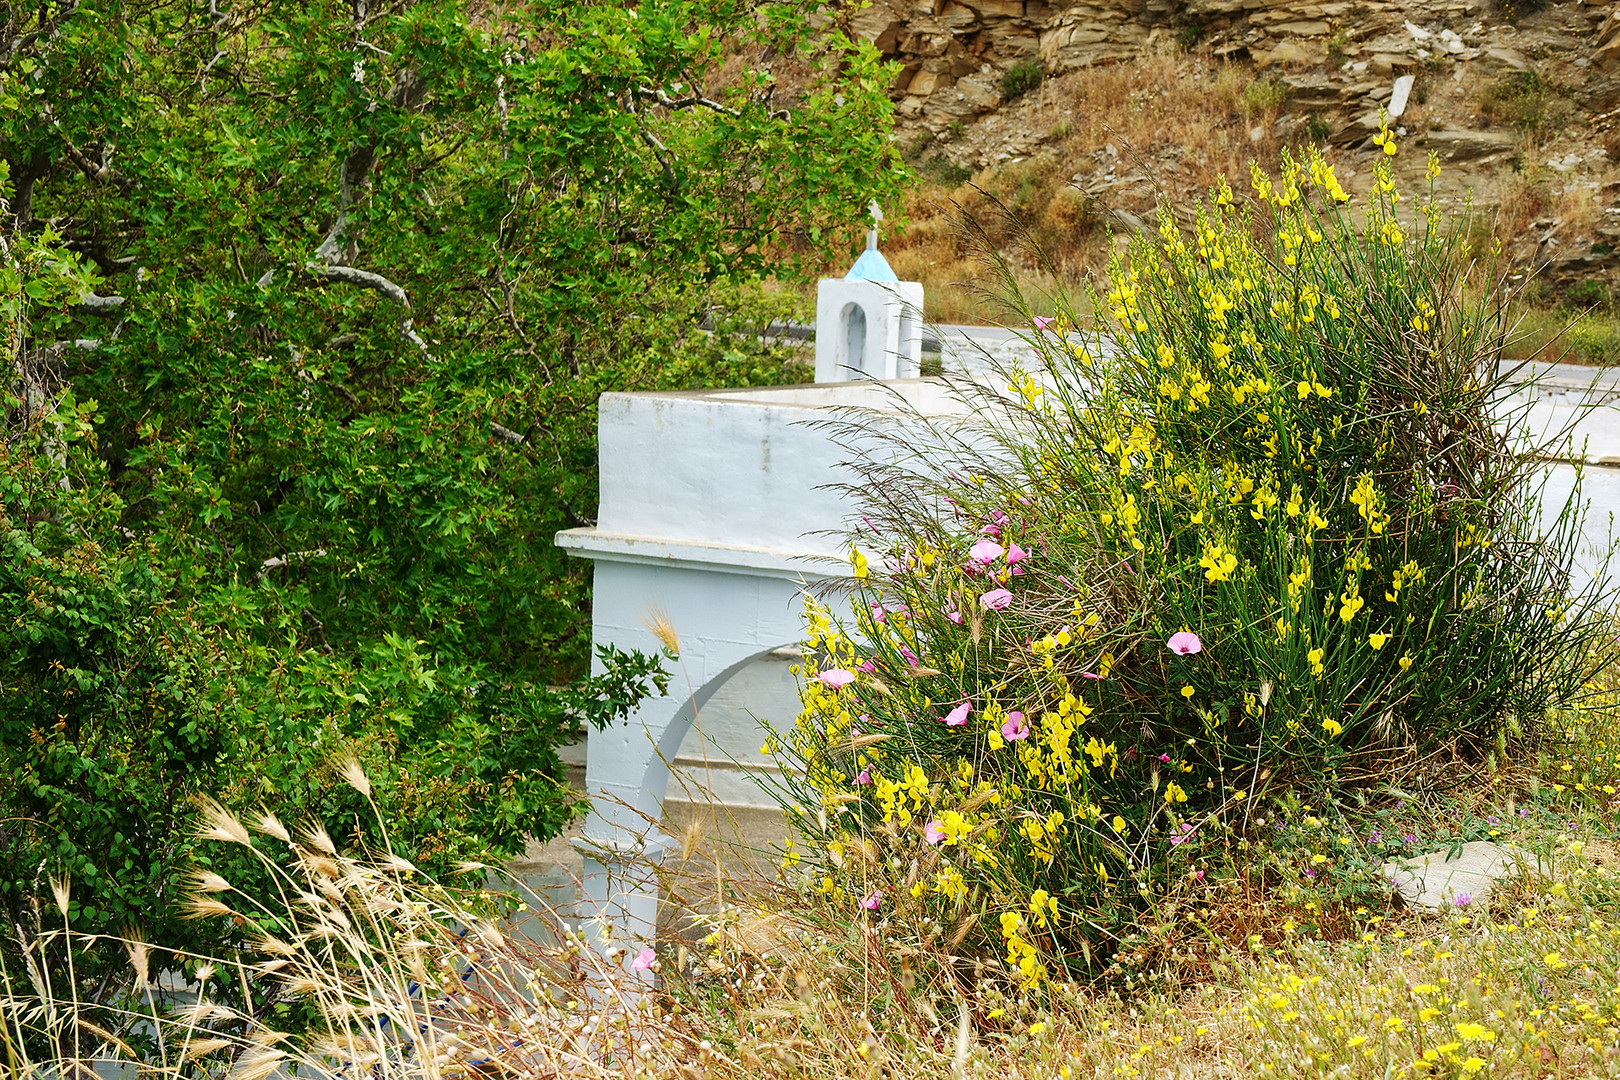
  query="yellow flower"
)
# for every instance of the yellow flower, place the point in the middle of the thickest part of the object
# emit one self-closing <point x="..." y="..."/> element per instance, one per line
<point x="1349" y="605"/>
<point x="1332" y="727"/>
<point x="1218" y="563"/>
<point x="1187" y="691"/>
<point x="1377" y="640"/>
<point x="1173" y="793"/>
<point x="858" y="562"/>
<point x="1406" y="663"/>
<point x="1475" y="1031"/>
<point x="1315" y="658"/>
<point x="1119" y="824"/>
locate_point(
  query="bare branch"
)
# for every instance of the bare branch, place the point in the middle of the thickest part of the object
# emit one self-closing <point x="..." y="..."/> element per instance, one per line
<point x="690" y="102"/>
<point x="505" y="434"/>
<point x="91" y="304"/>
<point x="365" y="279"/>
<point x="276" y="562"/>
<point x="98" y="171"/>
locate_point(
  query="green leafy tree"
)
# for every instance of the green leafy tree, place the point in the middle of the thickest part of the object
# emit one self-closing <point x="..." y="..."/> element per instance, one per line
<point x="305" y="371"/>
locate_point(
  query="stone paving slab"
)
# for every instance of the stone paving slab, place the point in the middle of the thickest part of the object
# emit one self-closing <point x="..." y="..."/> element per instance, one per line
<point x="1456" y="877"/>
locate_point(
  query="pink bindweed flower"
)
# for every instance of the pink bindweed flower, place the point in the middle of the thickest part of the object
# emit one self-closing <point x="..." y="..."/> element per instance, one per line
<point x="1090" y="675"/>
<point x="1165" y="758"/>
<point x="644" y="960"/>
<point x="995" y="599"/>
<point x="1181" y="834"/>
<point x="1198" y="875"/>
<point x="1041" y="322"/>
<point x="986" y="551"/>
<point x="952" y="614"/>
<point x="864" y="779"/>
<point x="868" y="666"/>
<point x="959" y="715"/>
<point x="911" y="657"/>
<point x="1016" y="727"/>
<point x="1185" y="643"/>
<point x="871" y="901"/>
<point x="879" y="613"/>
<point x="1016" y="554"/>
<point x="934" y="832"/>
<point x="836" y="678"/>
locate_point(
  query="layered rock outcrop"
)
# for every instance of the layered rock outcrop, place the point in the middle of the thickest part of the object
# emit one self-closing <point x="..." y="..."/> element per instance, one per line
<point x="956" y="53"/>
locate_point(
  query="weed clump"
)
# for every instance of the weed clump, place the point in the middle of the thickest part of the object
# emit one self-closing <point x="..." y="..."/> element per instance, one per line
<point x="1265" y="95"/>
<point x="1021" y="78"/>
<point x="1528" y="102"/>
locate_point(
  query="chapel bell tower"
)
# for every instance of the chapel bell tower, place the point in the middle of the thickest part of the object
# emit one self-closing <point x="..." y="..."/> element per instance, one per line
<point x="868" y="322"/>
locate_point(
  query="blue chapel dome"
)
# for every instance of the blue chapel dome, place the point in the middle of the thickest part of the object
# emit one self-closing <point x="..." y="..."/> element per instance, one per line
<point x="871" y="266"/>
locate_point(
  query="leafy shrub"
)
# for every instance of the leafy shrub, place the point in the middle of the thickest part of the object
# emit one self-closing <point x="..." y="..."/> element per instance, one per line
<point x="1250" y="532"/>
<point x="1527" y="101"/>
<point x="940" y="170"/>
<point x="1021" y="78"/>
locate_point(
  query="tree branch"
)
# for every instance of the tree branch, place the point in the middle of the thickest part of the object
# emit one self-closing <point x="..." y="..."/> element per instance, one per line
<point x="365" y="279"/>
<point x="16" y="45"/>
<point x="660" y="151"/>
<point x="91" y="304"/>
<point x="690" y="102"/>
<point x="99" y="172"/>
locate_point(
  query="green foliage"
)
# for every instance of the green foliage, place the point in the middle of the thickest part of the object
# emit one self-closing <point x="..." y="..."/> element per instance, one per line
<point x="1514" y="10"/>
<point x="365" y="273"/>
<point x="940" y="170"/>
<point x="1337" y="43"/>
<point x="1584" y="334"/>
<point x="1021" y="78"/>
<point x="1526" y="100"/>
<point x="1265" y="95"/>
<point x="1263" y="542"/>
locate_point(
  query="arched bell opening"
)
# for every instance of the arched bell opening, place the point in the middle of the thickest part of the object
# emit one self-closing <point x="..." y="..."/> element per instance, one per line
<point x="853" y="323"/>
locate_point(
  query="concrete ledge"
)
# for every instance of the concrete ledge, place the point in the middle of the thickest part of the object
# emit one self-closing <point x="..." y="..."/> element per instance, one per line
<point x="720" y="558"/>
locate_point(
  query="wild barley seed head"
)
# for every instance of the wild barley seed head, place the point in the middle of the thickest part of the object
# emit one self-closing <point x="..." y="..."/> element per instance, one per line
<point x="62" y="889"/>
<point x="318" y="838"/>
<point x="268" y="824"/>
<point x="658" y="622"/>
<point x="208" y="881"/>
<point x="355" y="776"/>
<point x="220" y="824"/>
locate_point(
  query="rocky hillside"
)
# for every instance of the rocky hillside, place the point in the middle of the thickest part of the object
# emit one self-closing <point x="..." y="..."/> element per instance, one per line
<point x="1095" y="108"/>
<point x="958" y="54"/>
